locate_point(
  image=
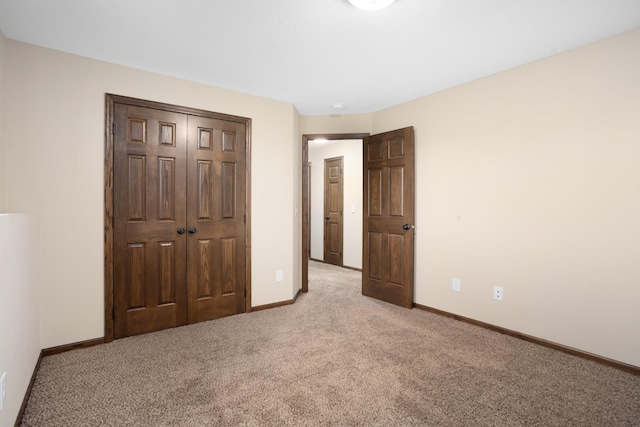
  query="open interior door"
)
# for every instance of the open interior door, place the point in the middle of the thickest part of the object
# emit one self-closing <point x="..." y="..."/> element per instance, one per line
<point x="388" y="223"/>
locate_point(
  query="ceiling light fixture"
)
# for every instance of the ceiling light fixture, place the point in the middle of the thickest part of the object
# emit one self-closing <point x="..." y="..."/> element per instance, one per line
<point x="338" y="106"/>
<point x="371" y="4"/>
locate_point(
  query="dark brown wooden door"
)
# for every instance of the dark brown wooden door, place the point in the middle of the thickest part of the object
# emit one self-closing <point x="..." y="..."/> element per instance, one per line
<point x="149" y="194"/>
<point x="388" y="206"/>
<point x="216" y="218"/>
<point x="180" y="232"/>
<point x="333" y="206"/>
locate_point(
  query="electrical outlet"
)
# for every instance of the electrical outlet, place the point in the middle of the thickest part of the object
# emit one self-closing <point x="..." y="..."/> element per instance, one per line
<point x="3" y="390"/>
<point x="498" y="293"/>
<point x="279" y="276"/>
<point x="455" y="285"/>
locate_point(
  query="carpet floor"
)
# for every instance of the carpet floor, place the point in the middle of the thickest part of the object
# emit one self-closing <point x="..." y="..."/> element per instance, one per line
<point x="334" y="358"/>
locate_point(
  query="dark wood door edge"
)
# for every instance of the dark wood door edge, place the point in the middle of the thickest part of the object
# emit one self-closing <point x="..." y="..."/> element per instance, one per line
<point x="111" y="100"/>
<point x="306" y="232"/>
<point x="563" y="348"/>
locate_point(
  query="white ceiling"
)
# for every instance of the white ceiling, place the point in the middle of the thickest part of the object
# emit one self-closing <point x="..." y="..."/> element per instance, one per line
<point x="315" y="53"/>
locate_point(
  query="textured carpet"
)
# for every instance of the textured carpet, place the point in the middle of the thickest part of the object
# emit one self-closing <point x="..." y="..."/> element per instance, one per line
<point x="335" y="358"/>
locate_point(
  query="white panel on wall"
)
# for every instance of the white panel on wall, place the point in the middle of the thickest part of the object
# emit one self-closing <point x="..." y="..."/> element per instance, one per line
<point x="351" y="151"/>
<point x="20" y="342"/>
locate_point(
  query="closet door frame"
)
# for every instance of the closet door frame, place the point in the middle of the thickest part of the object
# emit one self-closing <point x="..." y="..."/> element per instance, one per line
<point x="111" y="100"/>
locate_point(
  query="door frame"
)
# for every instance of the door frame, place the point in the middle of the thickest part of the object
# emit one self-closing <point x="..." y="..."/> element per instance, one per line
<point x="110" y="101"/>
<point x="306" y="202"/>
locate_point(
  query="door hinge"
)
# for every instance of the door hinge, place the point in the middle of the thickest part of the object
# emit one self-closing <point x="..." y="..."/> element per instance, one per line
<point x="113" y="128"/>
<point x="245" y="218"/>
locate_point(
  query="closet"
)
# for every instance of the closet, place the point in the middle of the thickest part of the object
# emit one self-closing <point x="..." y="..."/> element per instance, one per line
<point x="179" y="222"/>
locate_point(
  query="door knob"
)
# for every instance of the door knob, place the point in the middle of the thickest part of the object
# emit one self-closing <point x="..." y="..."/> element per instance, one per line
<point x="192" y="230"/>
<point x="180" y="230"/>
<point x="406" y="227"/>
<point x="326" y="217"/>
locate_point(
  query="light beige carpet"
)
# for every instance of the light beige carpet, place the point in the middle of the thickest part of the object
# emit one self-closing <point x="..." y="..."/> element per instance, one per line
<point x="335" y="358"/>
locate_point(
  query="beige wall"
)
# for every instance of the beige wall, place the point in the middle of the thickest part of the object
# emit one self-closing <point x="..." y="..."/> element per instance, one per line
<point x="530" y="180"/>
<point x="3" y="159"/>
<point x="352" y="123"/>
<point x="55" y="147"/>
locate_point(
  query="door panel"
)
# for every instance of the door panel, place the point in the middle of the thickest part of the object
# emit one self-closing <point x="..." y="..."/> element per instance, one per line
<point x="388" y="248"/>
<point x="149" y="255"/>
<point x="216" y="211"/>
<point x="167" y="276"/>
<point x="333" y="207"/>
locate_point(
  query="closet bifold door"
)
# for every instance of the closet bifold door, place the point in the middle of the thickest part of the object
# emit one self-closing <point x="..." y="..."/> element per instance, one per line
<point x="216" y="215"/>
<point x="149" y="193"/>
<point x="177" y="234"/>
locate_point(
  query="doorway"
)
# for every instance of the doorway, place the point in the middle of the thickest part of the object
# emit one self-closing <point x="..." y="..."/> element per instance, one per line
<point x="177" y="198"/>
<point x="388" y="180"/>
<point x="306" y="196"/>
